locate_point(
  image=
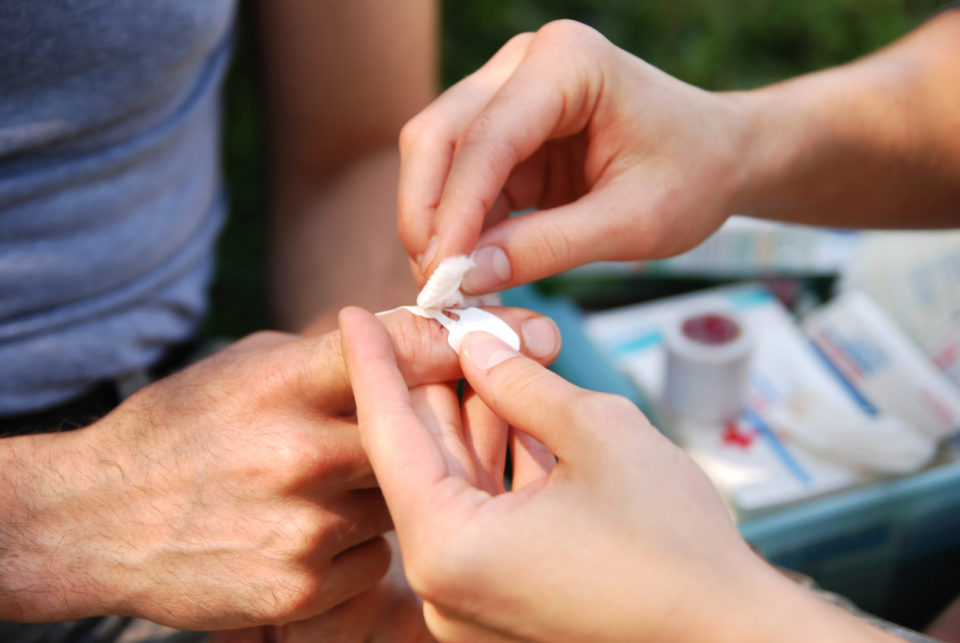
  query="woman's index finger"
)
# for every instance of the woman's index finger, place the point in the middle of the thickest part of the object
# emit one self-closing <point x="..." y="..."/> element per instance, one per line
<point x="405" y="456"/>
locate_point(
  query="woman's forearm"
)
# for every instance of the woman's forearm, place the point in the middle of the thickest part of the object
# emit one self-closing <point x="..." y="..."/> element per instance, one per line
<point x="875" y="143"/>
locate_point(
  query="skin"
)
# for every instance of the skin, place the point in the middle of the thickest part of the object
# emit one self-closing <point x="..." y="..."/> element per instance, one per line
<point x="623" y="539"/>
<point x="340" y="79"/>
<point x="946" y="627"/>
<point x="621" y="161"/>
<point x="386" y="613"/>
<point x="231" y="494"/>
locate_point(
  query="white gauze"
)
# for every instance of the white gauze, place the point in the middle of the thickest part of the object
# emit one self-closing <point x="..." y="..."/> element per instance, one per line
<point x="882" y="444"/>
<point x="441" y="299"/>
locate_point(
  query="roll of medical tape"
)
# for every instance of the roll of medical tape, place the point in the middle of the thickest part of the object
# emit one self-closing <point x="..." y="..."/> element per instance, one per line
<point x="708" y="361"/>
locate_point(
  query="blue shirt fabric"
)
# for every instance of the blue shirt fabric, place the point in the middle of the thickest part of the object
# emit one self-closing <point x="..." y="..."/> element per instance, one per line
<point x="110" y="193"/>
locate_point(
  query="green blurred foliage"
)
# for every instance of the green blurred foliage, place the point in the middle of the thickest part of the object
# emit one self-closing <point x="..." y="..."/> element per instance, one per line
<point x="238" y="296"/>
<point x="715" y="44"/>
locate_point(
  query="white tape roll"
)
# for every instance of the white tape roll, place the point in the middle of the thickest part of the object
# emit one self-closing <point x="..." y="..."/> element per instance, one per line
<point x="708" y="362"/>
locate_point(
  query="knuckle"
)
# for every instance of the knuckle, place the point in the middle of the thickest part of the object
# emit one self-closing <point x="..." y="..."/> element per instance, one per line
<point x="331" y="349"/>
<point x="580" y="44"/>
<point x="482" y="132"/>
<point x="284" y="593"/>
<point x="266" y="377"/>
<point x="268" y="336"/>
<point x="261" y="365"/>
<point x="553" y="245"/>
<point x="407" y="332"/>
<point x="518" y="42"/>
<point x="621" y="407"/>
<point x="291" y="373"/>
<point x="411" y="132"/>
<point x="491" y="156"/>
<point x="297" y="595"/>
<point x="606" y="406"/>
<point x="477" y="132"/>
<point x="302" y="533"/>
<point x="305" y="587"/>
<point x="419" y="342"/>
<point x="260" y="339"/>
<point x="566" y="31"/>
<point x="292" y="461"/>
<point x="329" y="590"/>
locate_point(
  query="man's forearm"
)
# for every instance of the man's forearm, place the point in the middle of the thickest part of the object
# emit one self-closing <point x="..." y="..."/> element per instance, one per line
<point x="340" y="80"/>
<point x="875" y="143"/>
<point x="337" y="244"/>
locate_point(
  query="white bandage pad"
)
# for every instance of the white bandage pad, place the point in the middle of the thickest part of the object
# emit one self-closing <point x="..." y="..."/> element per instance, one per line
<point x="470" y="320"/>
<point x="441" y="297"/>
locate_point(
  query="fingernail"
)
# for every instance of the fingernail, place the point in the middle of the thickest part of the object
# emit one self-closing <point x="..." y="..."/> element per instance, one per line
<point x="430" y="253"/>
<point x="492" y="270"/>
<point x="540" y="337"/>
<point x="485" y="350"/>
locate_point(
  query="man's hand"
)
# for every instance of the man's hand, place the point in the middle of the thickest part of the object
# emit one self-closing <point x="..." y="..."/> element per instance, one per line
<point x="234" y="493"/>
<point x="388" y="613"/>
<point x="623" y="539"/>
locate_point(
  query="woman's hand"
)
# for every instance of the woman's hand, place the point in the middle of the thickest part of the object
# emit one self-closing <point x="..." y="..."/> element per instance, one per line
<point x="620" y="160"/>
<point x="623" y="539"/>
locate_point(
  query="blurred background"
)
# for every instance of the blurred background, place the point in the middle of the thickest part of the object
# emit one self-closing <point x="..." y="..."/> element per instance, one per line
<point x="715" y="44"/>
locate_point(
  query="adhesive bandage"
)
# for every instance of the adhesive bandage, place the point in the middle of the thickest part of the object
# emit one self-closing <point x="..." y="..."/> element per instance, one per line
<point x="441" y="299"/>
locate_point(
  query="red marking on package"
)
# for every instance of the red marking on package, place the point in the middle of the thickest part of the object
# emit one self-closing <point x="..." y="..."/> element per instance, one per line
<point x="733" y="436"/>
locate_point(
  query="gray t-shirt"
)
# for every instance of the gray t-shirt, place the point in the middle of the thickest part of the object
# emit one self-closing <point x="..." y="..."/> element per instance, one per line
<point x="110" y="194"/>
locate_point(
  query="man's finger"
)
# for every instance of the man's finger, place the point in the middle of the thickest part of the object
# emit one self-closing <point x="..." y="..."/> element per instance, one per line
<point x="350" y="573"/>
<point x="422" y="354"/>
<point x="353" y="519"/>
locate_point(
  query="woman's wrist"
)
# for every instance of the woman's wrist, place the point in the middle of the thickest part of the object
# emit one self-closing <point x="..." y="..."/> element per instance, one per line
<point x="761" y="604"/>
<point x="770" y="144"/>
